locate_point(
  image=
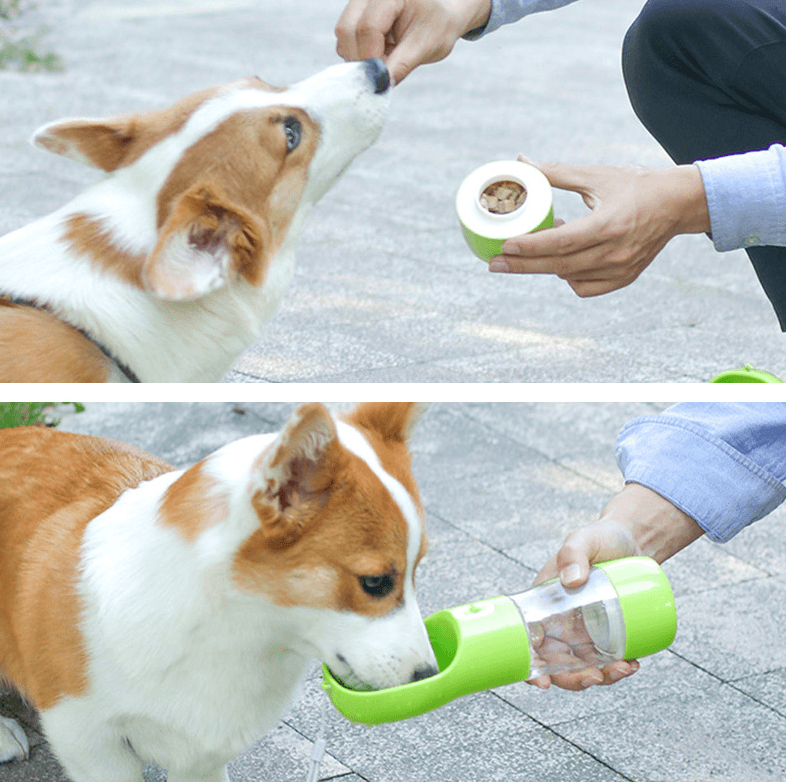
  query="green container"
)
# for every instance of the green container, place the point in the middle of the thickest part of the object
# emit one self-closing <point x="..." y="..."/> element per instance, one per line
<point x="486" y="232"/>
<point x="492" y="642"/>
<point x="745" y="375"/>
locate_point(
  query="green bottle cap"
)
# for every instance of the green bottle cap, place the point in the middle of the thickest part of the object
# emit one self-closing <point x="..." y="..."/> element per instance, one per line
<point x="647" y="604"/>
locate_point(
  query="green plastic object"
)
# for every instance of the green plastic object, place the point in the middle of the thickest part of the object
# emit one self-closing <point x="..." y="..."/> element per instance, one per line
<point x="746" y="375"/>
<point x="485" y="232"/>
<point x="486" y="247"/>
<point x="647" y="604"/>
<point x="485" y="644"/>
<point x="478" y="646"/>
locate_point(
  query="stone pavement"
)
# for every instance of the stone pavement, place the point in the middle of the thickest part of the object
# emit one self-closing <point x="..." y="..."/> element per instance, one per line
<point x="501" y="485"/>
<point x="385" y="290"/>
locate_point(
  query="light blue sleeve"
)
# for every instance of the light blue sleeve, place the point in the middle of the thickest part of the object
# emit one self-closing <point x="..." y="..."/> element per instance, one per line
<point x="509" y="11"/>
<point x="722" y="464"/>
<point x="746" y="196"/>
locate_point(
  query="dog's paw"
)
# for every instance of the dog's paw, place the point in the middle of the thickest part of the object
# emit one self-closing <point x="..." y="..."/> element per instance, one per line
<point x="13" y="742"/>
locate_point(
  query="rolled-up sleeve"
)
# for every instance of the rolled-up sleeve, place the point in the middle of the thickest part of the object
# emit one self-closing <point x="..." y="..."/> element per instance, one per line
<point x="722" y="464"/>
<point x="746" y="197"/>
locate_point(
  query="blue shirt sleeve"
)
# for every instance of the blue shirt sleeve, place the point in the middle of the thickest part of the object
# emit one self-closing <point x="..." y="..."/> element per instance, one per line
<point x="509" y="11"/>
<point x="746" y="196"/>
<point x="722" y="464"/>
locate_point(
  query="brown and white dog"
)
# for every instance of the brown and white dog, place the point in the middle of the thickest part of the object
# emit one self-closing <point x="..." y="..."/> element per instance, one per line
<point x="166" y="270"/>
<point x="167" y="616"/>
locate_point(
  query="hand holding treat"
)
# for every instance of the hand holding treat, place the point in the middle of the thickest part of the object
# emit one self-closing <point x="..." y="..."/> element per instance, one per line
<point x="408" y="33"/>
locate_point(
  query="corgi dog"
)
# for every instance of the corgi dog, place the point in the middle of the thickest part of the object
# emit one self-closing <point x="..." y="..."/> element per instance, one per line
<point x="168" y="616"/>
<point x="167" y="269"/>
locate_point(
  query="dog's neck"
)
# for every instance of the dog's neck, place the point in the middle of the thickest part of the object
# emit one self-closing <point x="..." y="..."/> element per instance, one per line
<point x="158" y="339"/>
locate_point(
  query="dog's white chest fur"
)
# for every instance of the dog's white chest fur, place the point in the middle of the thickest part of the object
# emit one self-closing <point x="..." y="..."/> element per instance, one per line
<point x="178" y="667"/>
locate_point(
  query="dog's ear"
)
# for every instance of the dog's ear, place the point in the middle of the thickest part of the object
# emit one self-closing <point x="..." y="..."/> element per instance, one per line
<point x="205" y="241"/>
<point x="102" y="143"/>
<point x="391" y="420"/>
<point x="293" y="477"/>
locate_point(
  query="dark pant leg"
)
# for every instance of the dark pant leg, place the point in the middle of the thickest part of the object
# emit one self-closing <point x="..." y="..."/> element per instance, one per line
<point x="708" y="78"/>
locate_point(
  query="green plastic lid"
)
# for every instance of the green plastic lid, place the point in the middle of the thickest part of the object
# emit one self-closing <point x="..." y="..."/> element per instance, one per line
<point x="647" y="604"/>
<point x="478" y="646"/>
<point x="746" y="375"/>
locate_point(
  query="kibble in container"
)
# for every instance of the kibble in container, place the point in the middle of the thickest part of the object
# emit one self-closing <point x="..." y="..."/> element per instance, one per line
<point x="500" y="200"/>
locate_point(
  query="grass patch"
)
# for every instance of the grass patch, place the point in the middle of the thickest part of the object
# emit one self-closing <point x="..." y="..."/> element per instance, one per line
<point x="21" y="49"/>
<point x="35" y="413"/>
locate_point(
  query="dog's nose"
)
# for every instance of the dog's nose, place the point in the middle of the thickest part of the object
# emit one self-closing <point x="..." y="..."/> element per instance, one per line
<point x="378" y="75"/>
<point x="424" y="672"/>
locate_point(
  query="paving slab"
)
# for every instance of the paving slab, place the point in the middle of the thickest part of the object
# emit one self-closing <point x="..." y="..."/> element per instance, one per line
<point x="711" y="733"/>
<point x="501" y="484"/>
<point x="385" y="289"/>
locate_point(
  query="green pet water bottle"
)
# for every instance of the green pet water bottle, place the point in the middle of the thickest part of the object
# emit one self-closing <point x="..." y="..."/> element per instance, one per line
<point x="625" y="610"/>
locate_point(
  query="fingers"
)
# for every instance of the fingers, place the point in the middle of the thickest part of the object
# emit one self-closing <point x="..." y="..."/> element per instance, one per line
<point x="573" y="251"/>
<point x="579" y="244"/>
<point x="589" y="677"/>
<point x="408" y="32"/>
<point x="594" y="677"/>
<point x="363" y="28"/>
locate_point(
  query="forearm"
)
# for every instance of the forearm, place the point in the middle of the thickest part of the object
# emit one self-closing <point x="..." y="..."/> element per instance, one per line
<point x="658" y="528"/>
<point x="681" y="191"/>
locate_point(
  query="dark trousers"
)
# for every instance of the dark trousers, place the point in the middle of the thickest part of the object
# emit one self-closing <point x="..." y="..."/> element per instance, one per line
<point x="708" y="78"/>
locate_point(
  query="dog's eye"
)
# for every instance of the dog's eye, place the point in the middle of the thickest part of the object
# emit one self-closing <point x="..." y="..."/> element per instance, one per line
<point x="293" y="131"/>
<point x="377" y="586"/>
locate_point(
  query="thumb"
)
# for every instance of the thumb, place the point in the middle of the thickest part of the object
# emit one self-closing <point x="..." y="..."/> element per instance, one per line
<point x="581" y="548"/>
<point x="417" y="46"/>
<point x="399" y="66"/>
<point x="410" y="51"/>
<point x="573" y="564"/>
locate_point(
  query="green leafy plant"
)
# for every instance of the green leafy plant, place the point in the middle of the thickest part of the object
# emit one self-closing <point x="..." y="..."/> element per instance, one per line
<point x="35" y="413"/>
<point x="22" y="54"/>
<point x="20" y="49"/>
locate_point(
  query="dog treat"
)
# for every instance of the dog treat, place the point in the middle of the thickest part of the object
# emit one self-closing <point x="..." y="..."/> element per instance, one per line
<point x="503" y="197"/>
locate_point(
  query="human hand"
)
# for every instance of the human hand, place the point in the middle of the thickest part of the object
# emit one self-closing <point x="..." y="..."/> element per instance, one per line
<point x="600" y="541"/>
<point x="634" y="213"/>
<point x="407" y="33"/>
<point x="638" y="521"/>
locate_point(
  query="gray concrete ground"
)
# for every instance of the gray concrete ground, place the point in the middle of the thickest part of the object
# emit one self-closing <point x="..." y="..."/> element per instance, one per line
<point x="385" y="290"/>
<point x="502" y="484"/>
